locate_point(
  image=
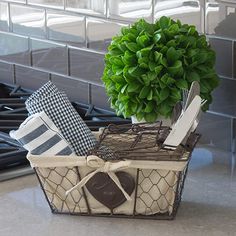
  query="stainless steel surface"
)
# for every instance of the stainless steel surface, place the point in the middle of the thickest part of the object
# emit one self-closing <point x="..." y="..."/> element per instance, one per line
<point x="4" y="16"/>
<point x="100" y="32"/>
<point x="86" y="65"/>
<point x="225" y="98"/>
<point x="75" y="89"/>
<point x="224" y="55"/>
<point x="15" y="172"/>
<point x="216" y="131"/>
<point x="99" y="97"/>
<point x="7" y="72"/>
<point x="48" y="55"/>
<point x="92" y="7"/>
<point x="130" y="10"/>
<point x="14" y="48"/>
<point x="189" y="12"/>
<point x="48" y="3"/>
<point x="30" y="78"/>
<point x="28" y="20"/>
<point x="66" y="28"/>
<point x="221" y="18"/>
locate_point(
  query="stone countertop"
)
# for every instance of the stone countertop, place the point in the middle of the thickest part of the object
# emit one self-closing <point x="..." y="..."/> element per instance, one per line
<point x="208" y="207"/>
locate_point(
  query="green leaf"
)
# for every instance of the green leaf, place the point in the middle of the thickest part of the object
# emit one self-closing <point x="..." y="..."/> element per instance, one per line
<point x="149" y="107"/>
<point x="214" y="81"/>
<point x="165" y="109"/>
<point x="130" y="79"/>
<point x="118" y="87"/>
<point x="143" y="25"/>
<point x="146" y="51"/>
<point x="143" y="60"/>
<point x="171" y="43"/>
<point x="152" y="65"/>
<point x="201" y="57"/>
<point x="167" y="79"/>
<point x="193" y="76"/>
<point x="133" y="47"/>
<point x="133" y="87"/>
<point x="191" y="41"/>
<point x="202" y="42"/>
<point x="158" y="56"/>
<point x="124" y="30"/>
<point x="143" y="64"/>
<point x="164" y="22"/>
<point x="144" y="92"/>
<point x="146" y="79"/>
<point x="205" y="87"/>
<point x="164" y="49"/>
<point x="170" y="81"/>
<point x="172" y="55"/>
<point x="122" y="47"/>
<point x="168" y="34"/>
<point x="174" y="28"/>
<point x="162" y="85"/>
<point x="117" y="69"/>
<point x="150" y="94"/>
<point x="134" y="107"/>
<point x="116" y="60"/>
<point x="143" y="40"/>
<point x="191" y="30"/>
<point x="158" y="69"/>
<point x="129" y="37"/>
<point x="179" y="23"/>
<point x="155" y="93"/>
<point x="124" y="88"/>
<point x="136" y="71"/>
<point x="117" y="78"/>
<point x="150" y="117"/>
<point x="129" y="58"/>
<point x="164" y="93"/>
<point x="156" y="37"/>
<point x="176" y="68"/>
<point x="211" y="58"/>
<point x="140" y="116"/>
<point x="164" y="78"/>
<point x="152" y="75"/>
<point x="192" y="52"/>
<point x="115" y="52"/>
<point x="175" y="94"/>
<point x="140" y="107"/>
<point x="182" y="84"/>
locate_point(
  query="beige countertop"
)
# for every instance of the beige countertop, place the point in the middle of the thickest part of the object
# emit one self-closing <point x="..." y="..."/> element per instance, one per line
<point x="208" y="207"/>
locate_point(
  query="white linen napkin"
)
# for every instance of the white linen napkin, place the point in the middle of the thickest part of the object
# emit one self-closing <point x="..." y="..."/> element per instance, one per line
<point x="39" y="135"/>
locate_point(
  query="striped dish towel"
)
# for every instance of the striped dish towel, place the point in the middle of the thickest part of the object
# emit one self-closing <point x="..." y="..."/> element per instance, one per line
<point x="39" y="135"/>
<point x="59" y="109"/>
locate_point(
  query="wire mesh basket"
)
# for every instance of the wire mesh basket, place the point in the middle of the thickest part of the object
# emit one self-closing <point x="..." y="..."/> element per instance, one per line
<point x="129" y="173"/>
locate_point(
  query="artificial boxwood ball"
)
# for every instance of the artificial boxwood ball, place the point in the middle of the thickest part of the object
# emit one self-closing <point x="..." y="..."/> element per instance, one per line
<point x="148" y="65"/>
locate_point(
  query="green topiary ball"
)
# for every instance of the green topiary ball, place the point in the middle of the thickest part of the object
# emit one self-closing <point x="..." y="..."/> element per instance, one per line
<point x="148" y="66"/>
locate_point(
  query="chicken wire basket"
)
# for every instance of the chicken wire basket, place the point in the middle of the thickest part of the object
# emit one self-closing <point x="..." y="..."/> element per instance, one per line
<point x="129" y="173"/>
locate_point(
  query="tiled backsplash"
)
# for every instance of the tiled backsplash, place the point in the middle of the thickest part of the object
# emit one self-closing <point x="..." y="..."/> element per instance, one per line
<point x="65" y="41"/>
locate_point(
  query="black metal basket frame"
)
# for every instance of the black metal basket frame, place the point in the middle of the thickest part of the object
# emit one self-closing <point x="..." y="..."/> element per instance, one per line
<point x="181" y="176"/>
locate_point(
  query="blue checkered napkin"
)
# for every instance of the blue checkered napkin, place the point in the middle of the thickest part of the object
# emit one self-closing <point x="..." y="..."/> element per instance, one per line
<point x="59" y="109"/>
<point x="39" y="135"/>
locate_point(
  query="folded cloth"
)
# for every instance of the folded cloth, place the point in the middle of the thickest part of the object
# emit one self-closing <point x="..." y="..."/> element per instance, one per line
<point x="39" y="135"/>
<point x="58" y="107"/>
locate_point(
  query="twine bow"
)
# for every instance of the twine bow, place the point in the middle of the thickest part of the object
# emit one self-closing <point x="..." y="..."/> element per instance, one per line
<point x="106" y="167"/>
